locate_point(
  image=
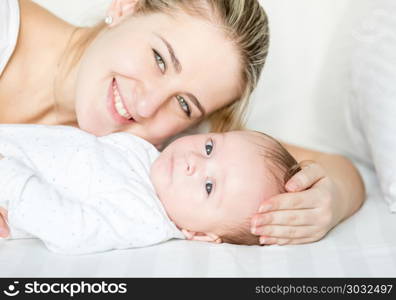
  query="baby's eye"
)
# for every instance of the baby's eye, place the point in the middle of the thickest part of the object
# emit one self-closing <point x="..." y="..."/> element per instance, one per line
<point x="160" y="62"/>
<point x="208" y="186"/>
<point x="209" y="147"/>
<point x="184" y="105"/>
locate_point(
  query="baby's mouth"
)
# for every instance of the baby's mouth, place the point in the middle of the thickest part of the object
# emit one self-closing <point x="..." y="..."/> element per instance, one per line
<point x="119" y="103"/>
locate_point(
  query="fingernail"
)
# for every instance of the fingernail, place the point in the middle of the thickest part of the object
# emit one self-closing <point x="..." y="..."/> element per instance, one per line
<point x="262" y="240"/>
<point x="253" y="229"/>
<point x="265" y="207"/>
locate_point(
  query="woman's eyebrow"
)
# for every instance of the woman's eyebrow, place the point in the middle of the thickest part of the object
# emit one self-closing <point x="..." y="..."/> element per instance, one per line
<point x="175" y="61"/>
<point x="194" y="100"/>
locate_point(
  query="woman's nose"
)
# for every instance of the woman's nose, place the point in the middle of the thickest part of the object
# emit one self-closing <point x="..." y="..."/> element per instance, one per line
<point x="152" y="97"/>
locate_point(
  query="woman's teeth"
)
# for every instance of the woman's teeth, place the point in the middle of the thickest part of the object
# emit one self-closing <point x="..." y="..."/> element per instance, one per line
<point x="120" y="108"/>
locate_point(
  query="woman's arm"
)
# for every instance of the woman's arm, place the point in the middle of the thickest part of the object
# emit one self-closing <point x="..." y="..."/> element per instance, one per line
<point x="326" y="191"/>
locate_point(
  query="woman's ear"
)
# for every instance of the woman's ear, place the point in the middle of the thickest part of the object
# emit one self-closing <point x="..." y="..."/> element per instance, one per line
<point x="118" y="10"/>
<point x="201" y="236"/>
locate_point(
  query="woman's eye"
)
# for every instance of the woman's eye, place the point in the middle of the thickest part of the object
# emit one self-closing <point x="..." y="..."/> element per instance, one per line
<point x="160" y="62"/>
<point x="184" y="105"/>
<point x="208" y="187"/>
<point x="209" y="147"/>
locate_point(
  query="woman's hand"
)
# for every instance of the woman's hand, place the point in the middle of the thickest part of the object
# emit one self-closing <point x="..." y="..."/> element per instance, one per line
<point x="4" y="230"/>
<point x="305" y="214"/>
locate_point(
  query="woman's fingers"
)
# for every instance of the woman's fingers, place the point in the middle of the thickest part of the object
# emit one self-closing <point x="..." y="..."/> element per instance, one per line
<point x="286" y="201"/>
<point x="285" y="217"/>
<point x="287" y="232"/>
<point x="310" y="173"/>
<point x="302" y="216"/>
<point x="282" y="241"/>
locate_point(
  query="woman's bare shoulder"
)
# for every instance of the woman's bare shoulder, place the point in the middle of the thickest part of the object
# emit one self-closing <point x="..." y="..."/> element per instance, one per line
<point x="39" y="46"/>
<point x="28" y="4"/>
<point x="36" y="15"/>
<point x="40" y="29"/>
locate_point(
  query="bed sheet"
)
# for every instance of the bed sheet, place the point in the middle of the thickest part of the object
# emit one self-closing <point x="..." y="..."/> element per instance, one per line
<point x="362" y="246"/>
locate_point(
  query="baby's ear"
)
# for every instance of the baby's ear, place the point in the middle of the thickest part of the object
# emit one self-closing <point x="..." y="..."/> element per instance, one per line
<point x="201" y="236"/>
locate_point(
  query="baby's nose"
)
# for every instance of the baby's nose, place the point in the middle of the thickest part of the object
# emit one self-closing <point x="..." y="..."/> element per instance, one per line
<point x="194" y="163"/>
<point x="190" y="169"/>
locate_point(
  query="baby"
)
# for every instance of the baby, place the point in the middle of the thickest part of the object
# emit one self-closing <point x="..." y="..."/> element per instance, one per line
<point x="80" y="193"/>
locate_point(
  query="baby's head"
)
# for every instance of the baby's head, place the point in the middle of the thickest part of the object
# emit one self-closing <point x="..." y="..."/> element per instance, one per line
<point x="212" y="184"/>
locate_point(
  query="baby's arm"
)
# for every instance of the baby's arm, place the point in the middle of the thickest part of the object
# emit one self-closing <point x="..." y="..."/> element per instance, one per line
<point x="80" y="194"/>
<point x="65" y="225"/>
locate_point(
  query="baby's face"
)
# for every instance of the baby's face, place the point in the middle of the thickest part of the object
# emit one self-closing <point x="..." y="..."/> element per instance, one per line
<point x="209" y="180"/>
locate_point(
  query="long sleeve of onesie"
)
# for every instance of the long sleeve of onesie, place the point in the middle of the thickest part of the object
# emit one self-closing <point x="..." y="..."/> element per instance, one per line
<point x="79" y="193"/>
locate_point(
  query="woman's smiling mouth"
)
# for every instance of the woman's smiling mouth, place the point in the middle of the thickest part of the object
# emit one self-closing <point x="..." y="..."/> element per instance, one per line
<point x="119" y="105"/>
<point x="116" y="105"/>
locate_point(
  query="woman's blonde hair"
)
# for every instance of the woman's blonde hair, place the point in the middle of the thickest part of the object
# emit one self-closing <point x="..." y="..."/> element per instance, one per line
<point x="244" y="22"/>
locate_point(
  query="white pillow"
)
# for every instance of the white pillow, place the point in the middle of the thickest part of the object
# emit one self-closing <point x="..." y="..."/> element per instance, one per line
<point x="81" y="13"/>
<point x="373" y="100"/>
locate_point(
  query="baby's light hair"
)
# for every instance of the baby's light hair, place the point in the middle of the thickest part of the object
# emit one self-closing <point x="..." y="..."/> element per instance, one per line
<point x="239" y="234"/>
<point x="283" y="166"/>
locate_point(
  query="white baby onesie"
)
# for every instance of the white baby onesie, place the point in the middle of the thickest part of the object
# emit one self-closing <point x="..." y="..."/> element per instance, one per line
<point x="80" y="193"/>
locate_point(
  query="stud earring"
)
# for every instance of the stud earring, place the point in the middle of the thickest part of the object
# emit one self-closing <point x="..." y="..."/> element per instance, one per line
<point x="109" y="20"/>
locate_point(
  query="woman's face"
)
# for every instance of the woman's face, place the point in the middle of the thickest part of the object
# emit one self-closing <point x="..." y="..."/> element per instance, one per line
<point x="155" y="76"/>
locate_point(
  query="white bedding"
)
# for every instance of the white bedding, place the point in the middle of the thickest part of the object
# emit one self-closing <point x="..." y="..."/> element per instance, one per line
<point x="298" y="100"/>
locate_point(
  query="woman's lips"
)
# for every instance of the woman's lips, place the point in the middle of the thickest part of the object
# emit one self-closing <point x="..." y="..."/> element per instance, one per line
<point x="111" y="104"/>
